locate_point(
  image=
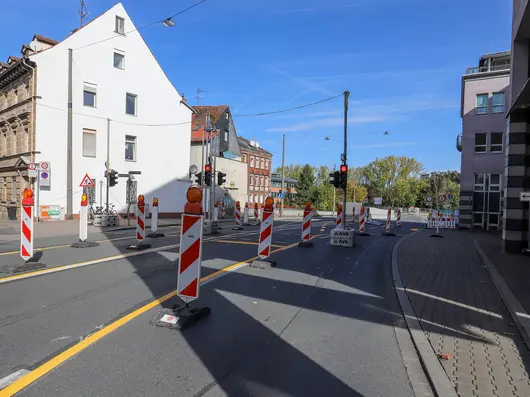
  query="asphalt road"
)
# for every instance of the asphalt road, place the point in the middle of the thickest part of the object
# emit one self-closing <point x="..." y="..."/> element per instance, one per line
<point x="319" y="324"/>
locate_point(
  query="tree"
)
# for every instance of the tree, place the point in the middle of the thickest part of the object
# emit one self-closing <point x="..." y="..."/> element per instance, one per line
<point x="443" y="182"/>
<point x="306" y="186"/>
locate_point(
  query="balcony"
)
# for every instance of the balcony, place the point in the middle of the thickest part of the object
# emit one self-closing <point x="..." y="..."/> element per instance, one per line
<point x="487" y="69"/>
<point x="459" y="143"/>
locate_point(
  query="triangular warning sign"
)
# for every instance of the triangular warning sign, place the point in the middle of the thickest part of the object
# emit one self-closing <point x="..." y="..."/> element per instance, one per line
<point x="86" y="182"/>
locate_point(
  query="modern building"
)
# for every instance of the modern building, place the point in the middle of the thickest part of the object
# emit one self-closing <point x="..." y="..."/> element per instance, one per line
<point x="215" y="124"/>
<point x="485" y="92"/>
<point x="259" y="162"/>
<point x="515" y="230"/>
<point x="289" y="184"/>
<point x="124" y="107"/>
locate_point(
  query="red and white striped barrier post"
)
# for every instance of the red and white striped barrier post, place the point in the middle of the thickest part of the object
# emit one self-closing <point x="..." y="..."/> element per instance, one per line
<point x="216" y="211"/>
<point x="140" y="225"/>
<point x="265" y="237"/>
<point x="83" y="225"/>
<point x="387" y="226"/>
<point x="256" y="213"/>
<point x="237" y="217"/>
<point x="398" y="221"/>
<point x="353" y="214"/>
<point x="154" y="220"/>
<point x="189" y="267"/>
<point x="339" y="217"/>
<point x="26" y="226"/>
<point x="306" y="227"/>
<point x="245" y="215"/>
<point x="362" y="222"/>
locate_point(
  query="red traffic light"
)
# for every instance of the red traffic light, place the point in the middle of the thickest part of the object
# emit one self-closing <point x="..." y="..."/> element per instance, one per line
<point x="343" y="168"/>
<point x="207" y="168"/>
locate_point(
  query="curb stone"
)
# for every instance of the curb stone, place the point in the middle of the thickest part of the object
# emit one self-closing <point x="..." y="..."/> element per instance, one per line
<point x="520" y="316"/>
<point x="434" y="371"/>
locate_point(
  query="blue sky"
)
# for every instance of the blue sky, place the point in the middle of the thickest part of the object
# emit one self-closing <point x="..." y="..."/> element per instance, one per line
<point x="402" y="61"/>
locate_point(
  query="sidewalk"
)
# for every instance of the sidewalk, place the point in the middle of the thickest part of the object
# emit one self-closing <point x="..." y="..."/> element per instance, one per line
<point x="463" y="315"/>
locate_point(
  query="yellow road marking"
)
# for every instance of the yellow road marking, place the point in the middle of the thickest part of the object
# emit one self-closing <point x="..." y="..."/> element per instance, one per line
<point x="42" y="370"/>
<point x="245" y="242"/>
<point x="414" y="230"/>
<point x="51" y="247"/>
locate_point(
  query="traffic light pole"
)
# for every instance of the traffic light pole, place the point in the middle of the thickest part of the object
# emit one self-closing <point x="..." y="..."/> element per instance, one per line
<point x="345" y="157"/>
<point x="334" y="193"/>
<point x="108" y="167"/>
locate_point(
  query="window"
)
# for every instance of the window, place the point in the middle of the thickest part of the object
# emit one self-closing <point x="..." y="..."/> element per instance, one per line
<point x="266" y="181"/>
<point x="497" y="102"/>
<point x="119" y="60"/>
<point x="14" y="188"/>
<point x="252" y="161"/>
<point x="227" y="115"/>
<point x="244" y="158"/>
<point x="130" y="104"/>
<point x="262" y="163"/>
<point x="251" y="180"/>
<point x="482" y="103"/>
<point x="89" y="143"/>
<point x="480" y="143"/>
<point x="257" y="162"/>
<point x="89" y="95"/>
<point x="261" y="180"/>
<point x="130" y="148"/>
<point x="496" y="142"/>
<point x="267" y="164"/>
<point x="120" y="25"/>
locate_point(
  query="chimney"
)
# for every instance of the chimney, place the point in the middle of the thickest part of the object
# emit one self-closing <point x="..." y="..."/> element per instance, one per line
<point x="184" y="99"/>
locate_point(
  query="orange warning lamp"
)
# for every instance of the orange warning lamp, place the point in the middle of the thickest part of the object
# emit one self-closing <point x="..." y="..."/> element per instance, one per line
<point x="194" y="204"/>
<point x="308" y="204"/>
<point x="84" y="200"/>
<point x="268" y="203"/>
<point x="141" y="200"/>
<point x="340" y="207"/>
<point x="216" y="204"/>
<point x="155" y="201"/>
<point x="27" y="197"/>
<point x="238" y="204"/>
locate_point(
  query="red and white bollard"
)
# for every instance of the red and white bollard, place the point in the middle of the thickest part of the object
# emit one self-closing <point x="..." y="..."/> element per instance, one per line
<point x="387" y="226"/>
<point x="339" y="217"/>
<point x="237" y="217"/>
<point x="26" y="226"/>
<point x="398" y="222"/>
<point x="353" y="215"/>
<point x="140" y="225"/>
<point x="256" y="213"/>
<point x="306" y="227"/>
<point x="83" y="225"/>
<point x="265" y="237"/>
<point x="216" y="211"/>
<point x="189" y="267"/>
<point x="245" y="215"/>
<point x="154" y="220"/>
<point x="362" y="222"/>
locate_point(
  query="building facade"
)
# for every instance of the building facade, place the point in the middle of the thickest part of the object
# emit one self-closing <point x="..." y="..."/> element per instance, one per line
<point x="259" y="163"/>
<point x="123" y="107"/>
<point x="485" y="93"/>
<point x="516" y="216"/>
<point x="289" y="185"/>
<point x="215" y="123"/>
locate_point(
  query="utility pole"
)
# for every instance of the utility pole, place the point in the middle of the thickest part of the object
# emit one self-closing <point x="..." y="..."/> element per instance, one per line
<point x="283" y="177"/>
<point x="108" y="167"/>
<point x="345" y="154"/>
<point x="334" y="192"/>
<point x="69" y="166"/>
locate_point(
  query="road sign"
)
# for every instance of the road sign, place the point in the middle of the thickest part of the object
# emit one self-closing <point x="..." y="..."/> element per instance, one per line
<point x="86" y="182"/>
<point x="130" y="193"/>
<point x="378" y="200"/>
<point x="32" y="170"/>
<point x="282" y="195"/>
<point x="232" y="185"/>
<point x="45" y="173"/>
<point x="44" y="165"/>
<point x="442" y="198"/>
<point x="524" y="196"/>
<point x="428" y="199"/>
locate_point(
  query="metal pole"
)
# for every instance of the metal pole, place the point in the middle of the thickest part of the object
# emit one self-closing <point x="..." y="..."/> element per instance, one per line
<point x="283" y="177"/>
<point x="108" y="166"/>
<point x="345" y="158"/>
<point x="37" y="182"/>
<point x="69" y="186"/>
<point x="212" y="179"/>
<point x="334" y="193"/>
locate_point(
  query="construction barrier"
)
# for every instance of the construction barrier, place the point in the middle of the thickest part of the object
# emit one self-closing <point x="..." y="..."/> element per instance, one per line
<point x="265" y="237"/>
<point x="154" y="220"/>
<point x="245" y="215"/>
<point x="441" y="220"/>
<point x="216" y="211"/>
<point x="237" y="217"/>
<point x="362" y="222"/>
<point x="140" y="225"/>
<point x="26" y="226"/>
<point x="387" y="226"/>
<point x="339" y="217"/>
<point x="306" y="226"/>
<point x="189" y="267"/>
<point x="398" y="222"/>
<point x="256" y="213"/>
<point x="83" y="225"/>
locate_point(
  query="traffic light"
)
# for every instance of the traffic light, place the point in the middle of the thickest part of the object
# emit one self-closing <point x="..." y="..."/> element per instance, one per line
<point x="221" y="178"/>
<point x="343" y="178"/>
<point x="113" y="181"/>
<point x="208" y="174"/>
<point x="334" y="178"/>
<point x="198" y="179"/>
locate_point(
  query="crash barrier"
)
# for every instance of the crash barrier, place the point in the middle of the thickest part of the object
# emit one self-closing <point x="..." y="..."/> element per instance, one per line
<point x="104" y="220"/>
<point x="441" y="220"/>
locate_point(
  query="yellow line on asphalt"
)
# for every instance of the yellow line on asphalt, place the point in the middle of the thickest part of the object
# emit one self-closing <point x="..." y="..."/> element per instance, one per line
<point x="42" y="370"/>
<point x="244" y="242"/>
<point x="51" y="247"/>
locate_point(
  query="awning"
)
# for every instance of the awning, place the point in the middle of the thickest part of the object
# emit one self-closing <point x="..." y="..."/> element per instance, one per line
<point x="522" y="102"/>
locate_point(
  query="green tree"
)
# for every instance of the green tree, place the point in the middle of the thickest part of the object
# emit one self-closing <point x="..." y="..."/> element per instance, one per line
<point x="305" y="187"/>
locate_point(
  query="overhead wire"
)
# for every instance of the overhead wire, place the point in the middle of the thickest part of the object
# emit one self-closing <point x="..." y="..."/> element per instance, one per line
<point x="141" y="27"/>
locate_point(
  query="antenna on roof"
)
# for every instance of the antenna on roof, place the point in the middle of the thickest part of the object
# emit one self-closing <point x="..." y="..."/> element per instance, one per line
<point x="199" y="91"/>
<point x="82" y="12"/>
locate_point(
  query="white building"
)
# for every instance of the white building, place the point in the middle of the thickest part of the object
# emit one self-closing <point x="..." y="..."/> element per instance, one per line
<point x="118" y="89"/>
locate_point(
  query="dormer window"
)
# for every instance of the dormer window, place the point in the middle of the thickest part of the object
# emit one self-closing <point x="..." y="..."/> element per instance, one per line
<point x="120" y="25"/>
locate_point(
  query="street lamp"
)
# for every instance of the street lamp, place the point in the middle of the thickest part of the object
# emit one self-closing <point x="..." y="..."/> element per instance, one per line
<point x="168" y="22"/>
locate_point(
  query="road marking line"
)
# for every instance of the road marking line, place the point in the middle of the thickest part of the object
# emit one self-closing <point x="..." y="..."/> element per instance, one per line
<point x="244" y="242"/>
<point x="43" y="369"/>
<point x="7" y="380"/>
